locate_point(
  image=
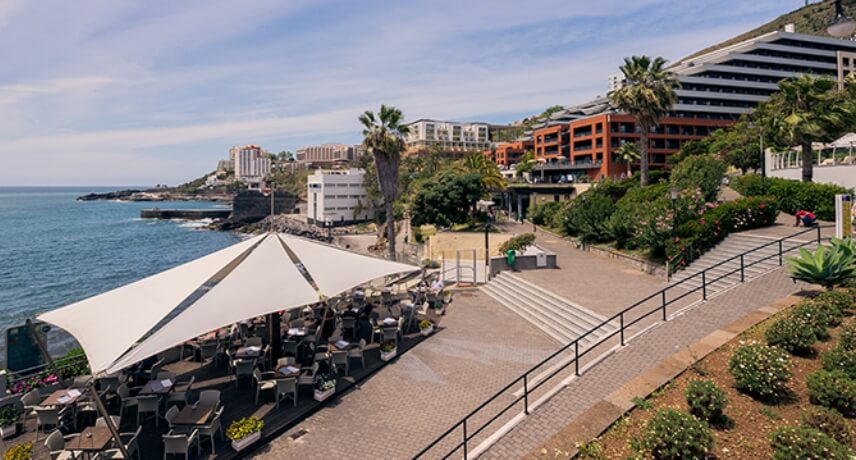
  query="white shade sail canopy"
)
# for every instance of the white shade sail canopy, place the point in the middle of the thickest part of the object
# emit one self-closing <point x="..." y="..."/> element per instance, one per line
<point x="251" y="278"/>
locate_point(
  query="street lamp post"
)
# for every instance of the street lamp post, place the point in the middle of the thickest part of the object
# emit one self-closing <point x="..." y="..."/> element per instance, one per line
<point x="487" y="207"/>
<point x="673" y="194"/>
<point x="842" y="26"/>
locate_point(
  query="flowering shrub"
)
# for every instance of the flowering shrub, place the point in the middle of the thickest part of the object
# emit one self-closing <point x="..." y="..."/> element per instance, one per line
<point x="325" y="382"/>
<point x="241" y="428"/>
<point x="706" y="400"/>
<point x="673" y="434"/>
<point x="836" y="300"/>
<point x="817" y="318"/>
<point x="19" y="452"/>
<point x="425" y="324"/>
<point x="839" y="359"/>
<point x="828" y="421"/>
<point x="847" y="340"/>
<point x="387" y="346"/>
<point x="38" y="381"/>
<point x="9" y="415"/>
<point x="73" y="364"/>
<point x="760" y="370"/>
<point x="805" y="442"/>
<point x="791" y="334"/>
<point x="833" y="389"/>
<point x="792" y="195"/>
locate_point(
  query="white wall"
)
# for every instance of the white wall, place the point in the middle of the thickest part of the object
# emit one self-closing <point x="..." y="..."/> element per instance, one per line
<point x="335" y="196"/>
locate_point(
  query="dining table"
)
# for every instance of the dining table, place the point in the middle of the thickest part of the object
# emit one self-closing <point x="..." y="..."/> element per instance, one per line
<point x="196" y="414"/>
<point x="90" y="441"/>
<point x="65" y="397"/>
<point x="157" y="387"/>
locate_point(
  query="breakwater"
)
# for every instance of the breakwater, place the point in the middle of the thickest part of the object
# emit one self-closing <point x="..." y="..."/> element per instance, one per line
<point x="189" y="214"/>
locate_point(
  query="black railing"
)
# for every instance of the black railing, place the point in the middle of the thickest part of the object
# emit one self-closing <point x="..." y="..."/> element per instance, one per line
<point x="523" y="384"/>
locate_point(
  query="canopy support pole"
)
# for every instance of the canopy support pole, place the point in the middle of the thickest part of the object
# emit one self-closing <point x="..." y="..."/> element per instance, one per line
<point x="99" y="405"/>
<point x="274" y="338"/>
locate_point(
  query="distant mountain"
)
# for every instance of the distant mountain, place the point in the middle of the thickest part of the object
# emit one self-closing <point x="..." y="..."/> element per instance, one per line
<point x="811" y="19"/>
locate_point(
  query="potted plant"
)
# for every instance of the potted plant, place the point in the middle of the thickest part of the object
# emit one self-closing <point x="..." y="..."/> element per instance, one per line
<point x="245" y="431"/>
<point x="20" y="452"/>
<point x="325" y="386"/>
<point x="426" y="327"/>
<point x="388" y="350"/>
<point x="9" y="418"/>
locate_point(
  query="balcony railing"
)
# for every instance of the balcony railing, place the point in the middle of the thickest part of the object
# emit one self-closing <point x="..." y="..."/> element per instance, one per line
<point x="568" y="165"/>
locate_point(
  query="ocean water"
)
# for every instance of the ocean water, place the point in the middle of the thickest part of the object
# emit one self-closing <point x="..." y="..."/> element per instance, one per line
<point x="55" y="250"/>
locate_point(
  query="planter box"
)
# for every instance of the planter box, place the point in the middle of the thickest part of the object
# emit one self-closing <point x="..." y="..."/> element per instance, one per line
<point x="322" y="395"/>
<point x="7" y="431"/>
<point x="388" y="356"/>
<point x="242" y="443"/>
<point x="427" y="331"/>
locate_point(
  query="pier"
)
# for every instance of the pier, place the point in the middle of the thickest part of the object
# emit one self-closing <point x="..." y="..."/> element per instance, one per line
<point x="190" y="214"/>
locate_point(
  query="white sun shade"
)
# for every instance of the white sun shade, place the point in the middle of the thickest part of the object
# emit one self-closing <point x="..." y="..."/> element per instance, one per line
<point x="265" y="282"/>
<point x="108" y="324"/>
<point x="335" y="270"/>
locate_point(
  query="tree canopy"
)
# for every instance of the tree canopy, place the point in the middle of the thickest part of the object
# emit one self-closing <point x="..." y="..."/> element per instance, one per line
<point x="449" y="199"/>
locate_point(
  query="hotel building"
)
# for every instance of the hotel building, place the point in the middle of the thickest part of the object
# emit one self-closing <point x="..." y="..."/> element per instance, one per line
<point x="337" y="197"/>
<point x="716" y="88"/>
<point x="252" y="163"/>
<point x="449" y="136"/>
<point x="328" y="153"/>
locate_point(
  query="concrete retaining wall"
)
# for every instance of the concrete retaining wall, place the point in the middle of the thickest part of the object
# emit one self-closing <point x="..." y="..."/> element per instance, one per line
<point x="523" y="262"/>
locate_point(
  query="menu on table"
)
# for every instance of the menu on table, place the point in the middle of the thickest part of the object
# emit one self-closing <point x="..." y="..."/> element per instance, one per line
<point x="286" y="370"/>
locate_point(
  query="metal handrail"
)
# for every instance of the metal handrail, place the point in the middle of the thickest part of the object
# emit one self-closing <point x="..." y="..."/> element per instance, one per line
<point x="575" y="344"/>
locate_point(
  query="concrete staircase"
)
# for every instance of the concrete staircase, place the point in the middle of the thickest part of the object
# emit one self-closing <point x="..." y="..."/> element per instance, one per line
<point x="732" y="246"/>
<point x="559" y="318"/>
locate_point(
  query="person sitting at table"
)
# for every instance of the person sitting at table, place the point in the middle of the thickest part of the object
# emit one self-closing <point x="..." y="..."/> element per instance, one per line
<point x="437" y="286"/>
<point x="138" y="371"/>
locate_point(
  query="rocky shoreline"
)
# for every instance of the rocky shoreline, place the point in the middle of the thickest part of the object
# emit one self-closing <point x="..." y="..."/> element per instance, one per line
<point x="283" y="223"/>
<point x="149" y="195"/>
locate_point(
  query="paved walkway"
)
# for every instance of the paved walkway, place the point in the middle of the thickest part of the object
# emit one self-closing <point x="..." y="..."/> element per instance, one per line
<point x="638" y="356"/>
<point x="403" y="407"/>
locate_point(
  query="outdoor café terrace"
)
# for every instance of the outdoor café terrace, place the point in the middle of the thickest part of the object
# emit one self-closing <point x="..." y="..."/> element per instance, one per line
<point x="181" y="383"/>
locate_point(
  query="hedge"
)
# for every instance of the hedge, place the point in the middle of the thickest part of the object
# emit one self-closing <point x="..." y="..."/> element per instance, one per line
<point x="792" y="195"/>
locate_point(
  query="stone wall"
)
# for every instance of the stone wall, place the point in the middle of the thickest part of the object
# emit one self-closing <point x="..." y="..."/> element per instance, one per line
<point x="252" y="206"/>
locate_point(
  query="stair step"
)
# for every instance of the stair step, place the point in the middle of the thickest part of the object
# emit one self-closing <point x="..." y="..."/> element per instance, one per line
<point x="548" y="315"/>
<point x="580" y="313"/>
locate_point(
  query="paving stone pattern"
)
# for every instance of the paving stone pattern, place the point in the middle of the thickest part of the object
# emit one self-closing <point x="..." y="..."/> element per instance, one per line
<point x="638" y="356"/>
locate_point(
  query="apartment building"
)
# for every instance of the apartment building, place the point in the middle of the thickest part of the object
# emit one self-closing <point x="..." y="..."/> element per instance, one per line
<point x="509" y="153"/>
<point x="252" y="163"/>
<point x="337" y="197"/>
<point x="328" y="153"/>
<point x="449" y="136"/>
<point x="716" y="88"/>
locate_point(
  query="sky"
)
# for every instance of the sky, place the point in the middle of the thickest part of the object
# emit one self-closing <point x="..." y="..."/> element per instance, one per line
<point x="141" y="92"/>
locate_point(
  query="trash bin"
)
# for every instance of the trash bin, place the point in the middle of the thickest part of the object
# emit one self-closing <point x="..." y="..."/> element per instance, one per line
<point x="511" y="257"/>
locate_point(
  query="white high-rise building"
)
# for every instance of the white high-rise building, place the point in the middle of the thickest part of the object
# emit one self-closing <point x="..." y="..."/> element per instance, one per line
<point x="449" y="136"/>
<point x="252" y="163"/>
<point x="337" y="197"/>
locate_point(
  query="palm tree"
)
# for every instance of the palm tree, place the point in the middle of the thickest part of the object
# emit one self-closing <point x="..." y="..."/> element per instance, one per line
<point x="526" y="164"/>
<point x="383" y="138"/>
<point x="628" y="153"/>
<point x="479" y="164"/>
<point x="806" y="109"/>
<point x="648" y="93"/>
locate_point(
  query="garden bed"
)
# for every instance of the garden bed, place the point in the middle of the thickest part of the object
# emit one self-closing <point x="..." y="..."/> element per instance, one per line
<point x="744" y="433"/>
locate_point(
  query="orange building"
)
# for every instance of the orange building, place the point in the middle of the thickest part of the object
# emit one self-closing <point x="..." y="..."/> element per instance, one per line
<point x="510" y="153"/>
<point x="587" y="146"/>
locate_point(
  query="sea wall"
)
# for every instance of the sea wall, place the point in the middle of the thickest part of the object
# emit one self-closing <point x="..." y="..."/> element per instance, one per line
<point x="251" y="206"/>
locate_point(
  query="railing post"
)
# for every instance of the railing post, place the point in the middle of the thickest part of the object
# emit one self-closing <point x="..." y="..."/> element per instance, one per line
<point x="742" y="276"/>
<point x="577" y="358"/>
<point x="703" y="285"/>
<point x="818" y="234"/>
<point x="621" y="318"/>
<point x="465" y="439"/>
<point x="663" y="295"/>
<point x="525" y="394"/>
<point x="780" y="253"/>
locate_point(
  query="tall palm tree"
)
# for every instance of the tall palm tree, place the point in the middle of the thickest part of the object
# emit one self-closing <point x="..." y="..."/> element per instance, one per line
<point x="526" y="164"/>
<point x="648" y="94"/>
<point x="383" y="138"/>
<point x="806" y="109"/>
<point x="479" y="164"/>
<point x="628" y="153"/>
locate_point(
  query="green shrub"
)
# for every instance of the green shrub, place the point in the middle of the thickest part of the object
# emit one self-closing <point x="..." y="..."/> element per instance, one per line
<point x="833" y="389"/>
<point x="791" y="334"/>
<point x="819" y="319"/>
<point x="838" y="301"/>
<point x="72" y="364"/>
<point x="518" y="243"/>
<point x="828" y="421"/>
<point x="543" y="213"/>
<point x="638" y="204"/>
<point x="847" y="340"/>
<point x="706" y="400"/>
<point x="704" y="172"/>
<point x="790" y="443"/>
<point x="19" y="452"/>
<point x="840" y="359"/>
<point x="673" y="434"/>
<point x="760" y="370"/>
<point x="792" y="195"/>
<point x="588" y="216"/>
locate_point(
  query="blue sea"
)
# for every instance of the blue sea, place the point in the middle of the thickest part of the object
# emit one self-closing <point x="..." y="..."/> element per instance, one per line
<point x="55" y="250"/>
